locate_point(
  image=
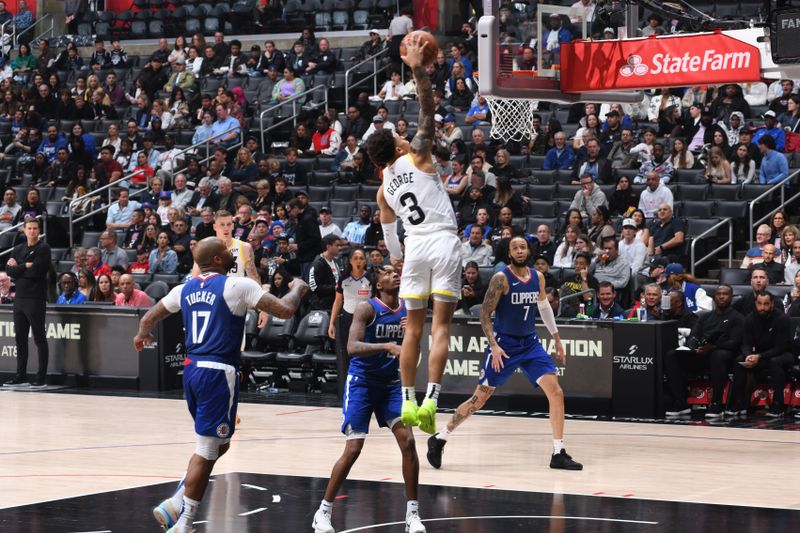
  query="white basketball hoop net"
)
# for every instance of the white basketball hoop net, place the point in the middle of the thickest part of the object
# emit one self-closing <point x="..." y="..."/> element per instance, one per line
<point x="511" y="117"/>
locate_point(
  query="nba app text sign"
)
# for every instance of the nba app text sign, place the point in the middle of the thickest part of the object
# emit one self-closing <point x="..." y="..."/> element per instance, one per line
<point x="587" y="373"/>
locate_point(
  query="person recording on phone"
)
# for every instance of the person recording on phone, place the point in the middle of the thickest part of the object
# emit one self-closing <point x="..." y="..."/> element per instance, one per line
<point x="766" y="345"/>
<point x="712" y="345"/>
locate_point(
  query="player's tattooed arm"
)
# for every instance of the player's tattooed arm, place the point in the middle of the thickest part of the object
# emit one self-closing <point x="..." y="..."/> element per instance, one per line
<point x="287" y="306"/>
<point x="250" y="264"/>
<point x="423" y="140"/>
<point x="498" y="286"/>
<point x="356" y="347"/>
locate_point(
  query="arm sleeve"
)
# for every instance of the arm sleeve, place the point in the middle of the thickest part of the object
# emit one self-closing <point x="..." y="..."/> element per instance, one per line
<point x="546" y="312"/>
<point x="172" y="301"/>
<point x="391" y="239"/>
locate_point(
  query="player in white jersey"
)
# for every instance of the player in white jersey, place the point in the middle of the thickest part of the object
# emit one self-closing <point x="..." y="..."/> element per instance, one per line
<point x="413" y="191"/>
<point x="242" y="252"/>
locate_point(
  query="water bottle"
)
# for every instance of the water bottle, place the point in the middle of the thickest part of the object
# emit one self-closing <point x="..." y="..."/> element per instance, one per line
<point x="581" y="311"/>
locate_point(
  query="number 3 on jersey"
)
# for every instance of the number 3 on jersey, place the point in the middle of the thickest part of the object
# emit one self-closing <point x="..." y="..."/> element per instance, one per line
<point x="409" y="200"/>
<point x="199" y="333"/>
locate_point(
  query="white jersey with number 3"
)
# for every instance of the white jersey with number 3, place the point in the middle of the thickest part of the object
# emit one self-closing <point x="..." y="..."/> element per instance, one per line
<point x="418" y="198"/>
<point x="237" y="250"/>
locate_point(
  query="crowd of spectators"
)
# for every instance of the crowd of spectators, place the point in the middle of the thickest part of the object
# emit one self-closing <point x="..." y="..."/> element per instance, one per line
<point x="612" y="253"/>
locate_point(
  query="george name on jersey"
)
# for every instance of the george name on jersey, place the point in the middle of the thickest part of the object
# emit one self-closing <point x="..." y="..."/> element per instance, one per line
<point x="205" y="297"/>
<point x="400" y="179"/>
<point x="389" y="331"/>
<point x="524" y="297"/>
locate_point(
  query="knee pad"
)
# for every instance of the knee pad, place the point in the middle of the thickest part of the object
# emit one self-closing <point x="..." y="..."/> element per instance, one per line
<point x="208" y="447"/>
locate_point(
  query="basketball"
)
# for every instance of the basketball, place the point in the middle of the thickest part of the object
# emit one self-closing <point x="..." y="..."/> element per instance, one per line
<point x="429" y="52"/>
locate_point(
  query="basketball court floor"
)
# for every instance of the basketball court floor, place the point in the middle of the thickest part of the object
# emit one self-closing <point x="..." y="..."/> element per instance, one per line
<point x="91" y="463"/>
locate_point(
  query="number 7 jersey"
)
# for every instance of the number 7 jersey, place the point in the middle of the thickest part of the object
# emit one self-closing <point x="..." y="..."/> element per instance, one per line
<point x="418" y="198"/>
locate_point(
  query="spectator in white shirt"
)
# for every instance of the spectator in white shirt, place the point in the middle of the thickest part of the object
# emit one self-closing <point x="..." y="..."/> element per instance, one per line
<point x="393" y="89"/>
<point x="632" y="249"/>
<point x="327" y="225"/>
<point x="180" y="194"/>
<point x="655" y="194"/>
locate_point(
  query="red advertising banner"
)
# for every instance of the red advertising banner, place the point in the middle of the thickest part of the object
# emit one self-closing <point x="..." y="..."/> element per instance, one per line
<point x="670" y="61"/>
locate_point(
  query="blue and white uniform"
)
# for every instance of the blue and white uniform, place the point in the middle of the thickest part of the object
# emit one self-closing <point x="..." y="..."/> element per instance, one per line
<point x="213" y="308"/>
<point x="373" y="382"/>
<point x="515" y="332"/>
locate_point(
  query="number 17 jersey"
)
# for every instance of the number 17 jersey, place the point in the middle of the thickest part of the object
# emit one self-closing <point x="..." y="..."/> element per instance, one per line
<point x="418" y="198"/>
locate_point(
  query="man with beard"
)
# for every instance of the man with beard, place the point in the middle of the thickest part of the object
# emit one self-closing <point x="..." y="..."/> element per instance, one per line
<point x="711" y="346"/>
<point x="513" y="343"/>
<point x="659" y="164"/>
<point x="766" y="345"/>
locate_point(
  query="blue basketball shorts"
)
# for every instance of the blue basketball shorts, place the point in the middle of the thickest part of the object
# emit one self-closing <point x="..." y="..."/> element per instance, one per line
<point x="211" y="389"/>
<point x="363" y="397"/>
<point x="525" y="353"/>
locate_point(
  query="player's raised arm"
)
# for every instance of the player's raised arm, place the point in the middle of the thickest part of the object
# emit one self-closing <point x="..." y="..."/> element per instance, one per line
<point x="422" y="144"/>
<point x="356" y="346"/>
<point x="287" y="306"/>
<point x="549" y="319"/>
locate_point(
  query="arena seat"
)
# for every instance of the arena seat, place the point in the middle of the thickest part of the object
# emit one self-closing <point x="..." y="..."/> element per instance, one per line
<point x="734" y="276"/>
<point x="157" y="290"/>
<point x="311" y="334"/>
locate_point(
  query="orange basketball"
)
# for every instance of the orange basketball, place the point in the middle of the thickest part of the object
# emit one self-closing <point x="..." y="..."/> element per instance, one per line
<point x="429" y="52"/>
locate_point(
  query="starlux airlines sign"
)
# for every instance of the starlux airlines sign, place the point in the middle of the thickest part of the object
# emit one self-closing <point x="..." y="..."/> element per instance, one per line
<point x="671" y="61"/>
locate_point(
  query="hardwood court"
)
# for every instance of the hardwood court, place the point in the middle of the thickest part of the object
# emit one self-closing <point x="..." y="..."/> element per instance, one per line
<point x="59" y="446"/>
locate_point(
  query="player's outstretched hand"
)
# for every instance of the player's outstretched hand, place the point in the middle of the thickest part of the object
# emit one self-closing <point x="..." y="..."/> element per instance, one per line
<point x="560" y="353"/>
<point x="140" y="341"/>
<point x="414" y="46"/>
<point x="498" y="354"/>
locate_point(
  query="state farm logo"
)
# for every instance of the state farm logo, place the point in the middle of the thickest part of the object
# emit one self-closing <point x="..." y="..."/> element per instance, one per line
<point x="634" y="66"/>
<point x="667" y="63"/>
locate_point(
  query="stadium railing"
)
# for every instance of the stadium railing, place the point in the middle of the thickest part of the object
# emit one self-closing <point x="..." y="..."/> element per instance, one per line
<point x="115" y="185"/>
<point x="711" y="232"/>
<point x="767" y="195"/>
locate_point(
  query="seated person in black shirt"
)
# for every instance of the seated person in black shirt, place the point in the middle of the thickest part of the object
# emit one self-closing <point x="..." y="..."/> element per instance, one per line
<point x="773" y="269"/>
<point x="711" y="346"/>
<point x="667" y="235"/>
<point x="759" y="282"/>
<point x="607" y="306"/>
<point x="766" y="345"/>
<point x="205" y="228"/>
<point x="542" y="264"/>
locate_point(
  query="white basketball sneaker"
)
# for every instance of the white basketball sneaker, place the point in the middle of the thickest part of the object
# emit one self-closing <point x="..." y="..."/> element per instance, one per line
<point x="322" y="522"/>
<point x="414" y="523"/>
<point x="166" y="514"/>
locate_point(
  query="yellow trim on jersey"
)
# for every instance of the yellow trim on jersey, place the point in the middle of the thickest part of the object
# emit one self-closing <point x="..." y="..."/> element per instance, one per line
<point x="415" y="296"/>
<point x="444" y="292"/>
<point x="234" y="240"/>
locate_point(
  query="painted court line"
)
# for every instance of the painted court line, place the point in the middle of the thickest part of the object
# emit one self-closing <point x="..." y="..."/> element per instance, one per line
<point x="501" y="517"/>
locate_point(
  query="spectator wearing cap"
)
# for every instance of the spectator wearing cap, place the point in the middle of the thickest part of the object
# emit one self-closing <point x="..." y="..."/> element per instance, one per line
<point x="675" y="278"/>
<point x="129" y="295"/>
<point x="774" y="167"/>
<point x="449" y="132"/>
<point x="633" y="250"/>
<point x="180" y="78"/>
<point x="371" y="47"/>
<point x="542" y="264"/>
<point x="111" y="254"/>
<point x="667" y="234"/>
<point x="771" y="129"/>
<point x="164" y="204"/>
<point x="327" y="225"/>
<point x="589" y="197"/>
<point x="654" y="195"/>
<point x="378" y="123"/>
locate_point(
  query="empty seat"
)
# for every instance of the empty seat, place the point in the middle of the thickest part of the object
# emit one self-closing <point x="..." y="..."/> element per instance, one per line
<point x="734" y="276"/>
<point x="157" y="290"/>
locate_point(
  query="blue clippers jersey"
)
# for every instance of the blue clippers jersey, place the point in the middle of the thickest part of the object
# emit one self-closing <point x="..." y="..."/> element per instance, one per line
<point x="212" y="330"/>
<point x="515" y="314"/>
<point x="385" y="327"/>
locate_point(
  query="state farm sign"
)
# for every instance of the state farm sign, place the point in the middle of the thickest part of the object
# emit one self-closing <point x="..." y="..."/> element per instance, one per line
<point x="675" y="61"/>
